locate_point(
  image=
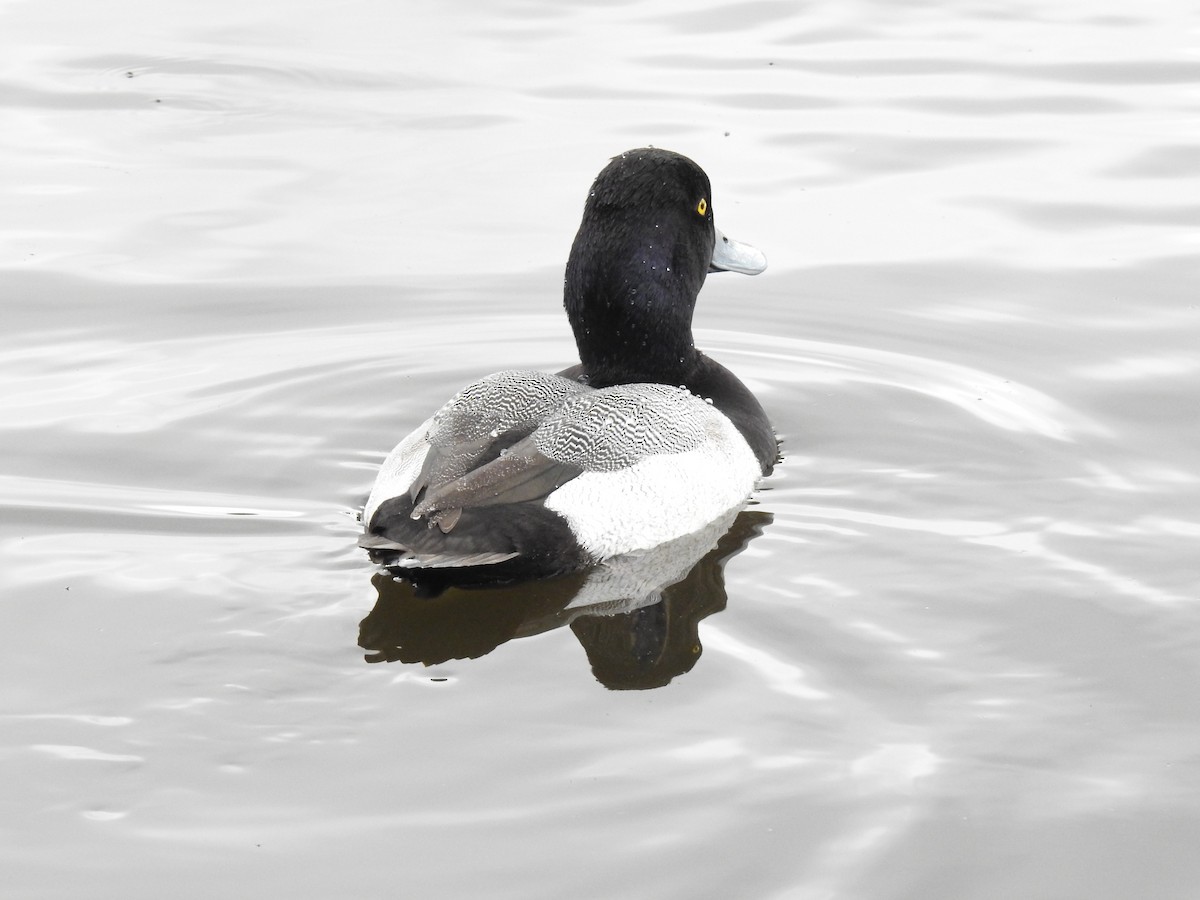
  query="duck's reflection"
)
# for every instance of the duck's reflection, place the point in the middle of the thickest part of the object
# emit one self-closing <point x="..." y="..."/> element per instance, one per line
<point x="636" y="616"/>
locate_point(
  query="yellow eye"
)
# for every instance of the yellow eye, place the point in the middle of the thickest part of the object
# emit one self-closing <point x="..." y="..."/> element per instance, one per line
<point x="702" y="206"/>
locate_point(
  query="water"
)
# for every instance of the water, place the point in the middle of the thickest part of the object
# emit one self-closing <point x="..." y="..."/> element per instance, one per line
<point x="247" y="247"/>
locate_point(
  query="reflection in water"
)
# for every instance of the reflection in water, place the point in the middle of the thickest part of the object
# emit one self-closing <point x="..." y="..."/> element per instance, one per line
<point x="637" y="616"/>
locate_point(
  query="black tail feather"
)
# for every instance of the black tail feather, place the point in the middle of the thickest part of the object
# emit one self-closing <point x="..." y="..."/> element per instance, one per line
<point x="497" y="543"/>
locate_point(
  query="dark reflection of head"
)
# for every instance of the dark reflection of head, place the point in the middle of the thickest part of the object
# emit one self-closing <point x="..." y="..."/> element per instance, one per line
<point x="637" y="617"/>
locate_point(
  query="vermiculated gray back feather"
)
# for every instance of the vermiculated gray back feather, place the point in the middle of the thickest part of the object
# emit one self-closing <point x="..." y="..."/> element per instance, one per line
<point x="615" y="427"/>
<point x="498" y="403"/>
<point x="493" y="412"/>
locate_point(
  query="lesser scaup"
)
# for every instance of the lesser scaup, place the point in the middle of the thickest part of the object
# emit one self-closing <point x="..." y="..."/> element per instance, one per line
<point x="525" y="474"/>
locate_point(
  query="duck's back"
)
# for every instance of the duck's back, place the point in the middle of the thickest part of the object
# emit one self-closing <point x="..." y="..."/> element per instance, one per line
<point x="540" y="474"/>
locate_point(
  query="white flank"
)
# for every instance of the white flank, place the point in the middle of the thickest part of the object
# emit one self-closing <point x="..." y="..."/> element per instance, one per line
<point x="399" y="469"/>
<point x="661" y="497"/>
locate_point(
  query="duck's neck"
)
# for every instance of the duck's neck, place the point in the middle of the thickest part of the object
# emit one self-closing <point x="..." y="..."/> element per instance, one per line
<point x="632" y="323"/>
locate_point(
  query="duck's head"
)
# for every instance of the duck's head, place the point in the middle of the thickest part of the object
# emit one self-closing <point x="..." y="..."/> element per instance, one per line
<point x="644" y="247"/>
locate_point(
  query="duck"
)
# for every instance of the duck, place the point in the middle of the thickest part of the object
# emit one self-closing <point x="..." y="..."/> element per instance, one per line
<point x="526" y="474"/>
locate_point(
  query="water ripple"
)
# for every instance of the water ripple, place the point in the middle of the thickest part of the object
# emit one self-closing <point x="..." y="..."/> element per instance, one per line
<point x="995" y="400"/>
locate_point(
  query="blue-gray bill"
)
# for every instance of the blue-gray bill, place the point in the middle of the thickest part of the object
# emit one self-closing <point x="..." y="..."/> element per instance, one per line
<point x="734" y="256"/>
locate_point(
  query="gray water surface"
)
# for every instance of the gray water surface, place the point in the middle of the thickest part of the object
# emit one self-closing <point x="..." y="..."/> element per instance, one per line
<point x="247" y="248"/>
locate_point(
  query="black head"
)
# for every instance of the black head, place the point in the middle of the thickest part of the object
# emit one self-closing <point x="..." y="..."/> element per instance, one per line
<point x="640" y="258"/>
